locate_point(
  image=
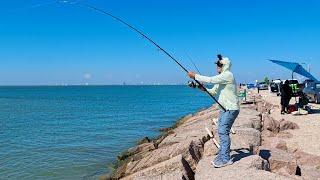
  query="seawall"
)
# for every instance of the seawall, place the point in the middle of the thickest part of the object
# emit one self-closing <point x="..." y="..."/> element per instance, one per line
<point x="185" y="151"/>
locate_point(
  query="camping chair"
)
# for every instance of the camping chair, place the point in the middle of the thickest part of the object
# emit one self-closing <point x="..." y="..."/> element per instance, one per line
<point x="243" y="95"/>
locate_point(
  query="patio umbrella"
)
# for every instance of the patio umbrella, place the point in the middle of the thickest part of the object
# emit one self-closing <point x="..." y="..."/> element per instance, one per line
<point x="295" y="68"/>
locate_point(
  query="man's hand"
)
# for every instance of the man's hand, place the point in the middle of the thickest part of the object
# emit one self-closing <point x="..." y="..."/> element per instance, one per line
<point x="201" y="87"/>
<point x="191" y="74"/>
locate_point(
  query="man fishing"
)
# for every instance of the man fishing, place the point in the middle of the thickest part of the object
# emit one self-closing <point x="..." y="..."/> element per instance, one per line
<point x="225" y="89"/>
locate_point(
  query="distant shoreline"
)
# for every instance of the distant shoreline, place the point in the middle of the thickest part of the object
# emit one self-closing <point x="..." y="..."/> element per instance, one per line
<point x="89" y="85"/>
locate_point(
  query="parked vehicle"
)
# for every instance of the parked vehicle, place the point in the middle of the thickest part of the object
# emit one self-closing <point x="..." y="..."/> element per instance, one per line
<point x="250" y="86"/>
<point x="312" y="91"/>
<point x="262" y="86"/>
<point x="274" y="86"/>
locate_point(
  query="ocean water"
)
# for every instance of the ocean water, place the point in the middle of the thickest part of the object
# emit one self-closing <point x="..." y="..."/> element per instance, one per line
<point x="75" y="132"/>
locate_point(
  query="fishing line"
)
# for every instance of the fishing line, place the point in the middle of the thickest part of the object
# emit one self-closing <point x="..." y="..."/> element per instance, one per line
<point x="194" y="64"/>
<point x="145" y="36"/>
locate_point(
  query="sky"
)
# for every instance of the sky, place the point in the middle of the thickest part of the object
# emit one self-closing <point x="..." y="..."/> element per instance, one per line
<point x="46" y="43"/>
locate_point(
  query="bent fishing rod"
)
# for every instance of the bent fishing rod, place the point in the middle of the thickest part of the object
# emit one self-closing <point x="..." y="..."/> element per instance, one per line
<point x="200" y="85"/>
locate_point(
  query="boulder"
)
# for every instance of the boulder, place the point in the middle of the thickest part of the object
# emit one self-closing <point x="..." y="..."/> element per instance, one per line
<point x="175" y="168"/>
<point x="243" y="121"/>
<point x="256" y="122"/>
<point x="263" y="107"/>
<point x="307" y="159"/>
<point x="280" y="161"/>
<point x="310" y="172"/>
<point x="284" y="135"/>
<point x="210" y="149"/>
<point x="194" y="153"/>
<point x="142" y="148"/>
<point x="248" y="118"/>
<point x="245" y="138"/>
<point x="144" y="140"/>
<point x="267" y="134"/>
<point x="275" y="143"/>
<point x="309" y="165"/>
<point x="171" y="175"/>
<point x="270" y="124"/>
<point x="191" y="152"/>
<point x="253" y="161"/>
<point x="285" y="125"/>
<point x="251" y="167"/>
<point x="138" y="156"/>
<point x="190" y="131"/>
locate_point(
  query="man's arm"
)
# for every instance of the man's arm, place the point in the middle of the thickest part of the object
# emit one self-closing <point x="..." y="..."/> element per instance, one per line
<point x="222" y="78"/>
<point x="213" y="91"/>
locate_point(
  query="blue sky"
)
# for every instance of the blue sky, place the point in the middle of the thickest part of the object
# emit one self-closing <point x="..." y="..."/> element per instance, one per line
<point x="48" y="43"/>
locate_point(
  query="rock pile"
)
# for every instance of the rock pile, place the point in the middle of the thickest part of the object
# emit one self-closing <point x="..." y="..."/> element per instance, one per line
<point x="185" y="151"/>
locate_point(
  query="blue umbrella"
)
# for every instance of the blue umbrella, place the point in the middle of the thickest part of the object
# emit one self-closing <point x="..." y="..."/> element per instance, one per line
<point x="295" y="68"/>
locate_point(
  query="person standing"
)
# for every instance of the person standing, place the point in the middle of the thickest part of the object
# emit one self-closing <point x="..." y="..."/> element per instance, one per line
<point x="225" y="89"/>
<point x="286" y="94"/>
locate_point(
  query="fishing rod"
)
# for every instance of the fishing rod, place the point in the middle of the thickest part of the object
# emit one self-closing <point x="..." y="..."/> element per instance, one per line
<point x="191" y="83"/>
<point x="200" y="85"/>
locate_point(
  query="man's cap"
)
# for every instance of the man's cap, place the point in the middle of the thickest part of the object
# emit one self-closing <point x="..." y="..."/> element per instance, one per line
<point x="218" y="63"/>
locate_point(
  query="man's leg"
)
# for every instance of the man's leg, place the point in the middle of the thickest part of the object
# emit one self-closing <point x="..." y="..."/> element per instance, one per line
<point x="226" y="121"/>
<point x="219" y="150"/>
<point x="283" y="105"/>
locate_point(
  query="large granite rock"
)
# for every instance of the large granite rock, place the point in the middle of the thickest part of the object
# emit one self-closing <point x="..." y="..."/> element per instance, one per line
<point x="310" y="172"/>
<point x="284" y="135"/>
<point x="275" y="143"/>
<point x="251" y="167"/>
<point x="176" y="168"/>
<point x="280" y="161"/>
<point x="285" y="125"/>
<point x="270" y="124"/>
<point x="142" y="148"/>
<point x="245" y="138"/>
<point x="188" y="150"/>
<point x="210" y="149"/>
<point x="263" y="107"/>
<point x="304" y="158"/>
<point x="266" y="134"/>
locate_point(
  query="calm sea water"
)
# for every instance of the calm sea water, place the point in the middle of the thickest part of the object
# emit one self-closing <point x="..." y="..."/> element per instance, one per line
<point x="75" y="132"/>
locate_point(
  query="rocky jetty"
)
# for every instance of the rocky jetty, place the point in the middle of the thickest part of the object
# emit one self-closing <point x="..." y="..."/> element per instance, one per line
<point x="185" y="151"/>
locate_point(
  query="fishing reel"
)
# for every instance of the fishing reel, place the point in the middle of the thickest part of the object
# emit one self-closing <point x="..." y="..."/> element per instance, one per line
<point x="193" y="84"/>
